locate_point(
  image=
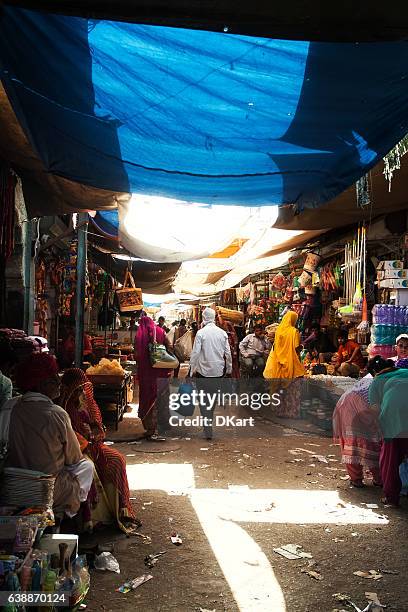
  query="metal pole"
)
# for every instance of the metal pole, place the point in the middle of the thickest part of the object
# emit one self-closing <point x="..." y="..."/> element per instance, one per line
<point x="80" y="287"/>
<point x="28" y="277"/>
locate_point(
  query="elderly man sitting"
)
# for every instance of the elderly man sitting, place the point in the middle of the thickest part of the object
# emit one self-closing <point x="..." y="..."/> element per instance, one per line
<point x="40" y="435"/>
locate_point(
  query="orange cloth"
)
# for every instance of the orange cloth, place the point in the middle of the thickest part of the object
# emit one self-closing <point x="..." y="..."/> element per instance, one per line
<point x="283" y="361"/>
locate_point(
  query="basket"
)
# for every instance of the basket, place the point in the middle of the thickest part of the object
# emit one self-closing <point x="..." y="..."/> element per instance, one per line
<point x="130" y="297"/>
<point x="27" y="488"/>
<point x="106" y="379"/>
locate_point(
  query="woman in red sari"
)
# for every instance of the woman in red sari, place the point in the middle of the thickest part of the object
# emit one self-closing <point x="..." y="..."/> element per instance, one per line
<point x="78" y="400"/>
<point x="148" y="376"/>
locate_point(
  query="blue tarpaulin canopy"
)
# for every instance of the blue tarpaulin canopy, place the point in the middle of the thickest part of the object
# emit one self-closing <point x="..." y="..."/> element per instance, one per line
<point x="202" y="116"/>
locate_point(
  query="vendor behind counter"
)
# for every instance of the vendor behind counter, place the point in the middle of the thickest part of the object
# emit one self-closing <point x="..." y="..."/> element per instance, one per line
<point x="349" y="352"/>
<point x="318" y="343"/>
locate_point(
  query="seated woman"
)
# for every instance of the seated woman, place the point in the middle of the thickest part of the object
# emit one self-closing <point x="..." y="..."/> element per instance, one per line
<point x="388" y="396"/>
<point x="356" y="428"/>
<point x="78" y="400"/>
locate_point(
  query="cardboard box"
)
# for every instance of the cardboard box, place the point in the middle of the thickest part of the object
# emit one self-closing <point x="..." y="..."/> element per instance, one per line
<point x="382" y="274"/>
<point x="394" y="283"/>
<point x="400" y="297"/>
<point x="51" y="542"/>
<point x="391" y="264"/>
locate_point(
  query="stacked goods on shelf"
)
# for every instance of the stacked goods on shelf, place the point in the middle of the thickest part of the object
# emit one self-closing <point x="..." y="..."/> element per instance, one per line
<point x="392" y="275"/>
<point x="388" y="323"/>
<point x="22" y="345"/>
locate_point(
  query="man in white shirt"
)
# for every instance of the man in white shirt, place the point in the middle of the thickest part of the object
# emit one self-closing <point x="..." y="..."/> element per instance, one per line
<point x="254" y="349"/>
<point x="211" y="354"/>
<point x="210" y="359"/>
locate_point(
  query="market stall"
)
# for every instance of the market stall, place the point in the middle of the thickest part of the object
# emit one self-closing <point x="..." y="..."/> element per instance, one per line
<point x="113" y="388"/>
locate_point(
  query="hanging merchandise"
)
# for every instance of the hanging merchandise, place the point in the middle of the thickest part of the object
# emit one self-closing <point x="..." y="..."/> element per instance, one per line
<point x="69" y="280"/>
<point x="310" y="265"/>
<point x="41" y="299"/>
<point x="296" y="263"/>
<point x="363" y="191"/>
<point x="330" y="277"/>
<point x="129" y="298"/>
<point x="354" y="254"/>
<point x="279" y="281"/>
<point x="392" y="161"/>
<point x="363" y="329"/>
<point x="229" y="297"/>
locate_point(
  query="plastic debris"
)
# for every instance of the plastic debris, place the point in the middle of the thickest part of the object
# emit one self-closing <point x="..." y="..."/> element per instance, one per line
<point x="320" y="458"/>
<point x="373" y="506"/>
<point x="204" y="466"/>
<point x="176" y="539"/>
<point x="146" y="539"/>
<point x="147" y="503"/>
<point x="292" y="551"/>
<point x="312" y="574"/>
<point x="206" y="610"/>
<point x="131" y="585"/>
<point x="347" y="477"/>
<point x="151" y="560"/>
<point x="105" y="561"/>
<point x="204" y="449"/>
<point x="374" y="602"/>
<point x="370" y="575"/>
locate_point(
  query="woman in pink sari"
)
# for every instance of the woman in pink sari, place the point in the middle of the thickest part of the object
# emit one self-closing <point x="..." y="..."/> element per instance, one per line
<point x="357" y="429"/>
<point x="147" y="375"/>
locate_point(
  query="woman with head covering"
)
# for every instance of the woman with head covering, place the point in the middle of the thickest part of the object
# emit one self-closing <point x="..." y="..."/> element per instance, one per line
<point x="401" y="348"/>
<point x="78" y="400"/>
<point x="147" y="375"/>
<point x="40" y="436"/>
<point x="388" y="395"/>
<point x="284" y="367"/>
<point x="357" y="429"/>
<point x="228" y="327"/>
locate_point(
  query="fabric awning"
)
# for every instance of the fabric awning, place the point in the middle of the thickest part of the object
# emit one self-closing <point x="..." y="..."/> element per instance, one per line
<point x="343" y="210"/>
<point x="296" y="19"/>
<point x="201" y="116"/>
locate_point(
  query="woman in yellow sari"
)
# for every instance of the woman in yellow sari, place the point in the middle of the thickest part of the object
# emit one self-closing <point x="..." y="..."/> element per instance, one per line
<point x="285" y="368"/>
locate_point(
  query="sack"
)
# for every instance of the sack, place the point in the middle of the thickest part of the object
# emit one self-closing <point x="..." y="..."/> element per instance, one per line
<point x="129" y="298"/>
<point x="184" y="346"/>
<point x="171" y="335"/>
<point x="159" y="357"/>
<point x="186" y="388"/>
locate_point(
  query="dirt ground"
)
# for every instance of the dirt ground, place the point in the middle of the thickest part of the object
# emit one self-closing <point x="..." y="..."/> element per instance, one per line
<point x="227" y="560"/>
